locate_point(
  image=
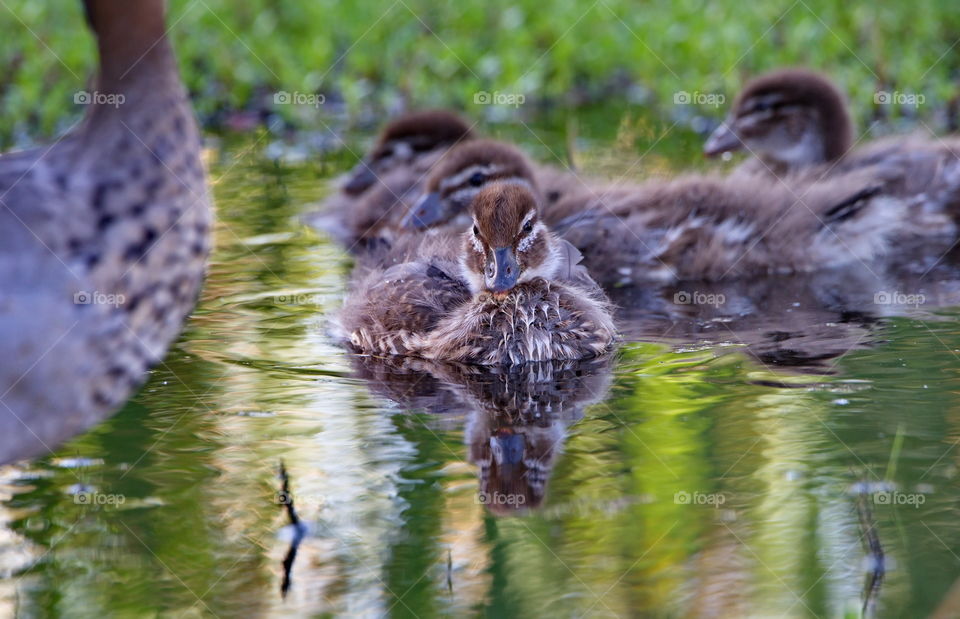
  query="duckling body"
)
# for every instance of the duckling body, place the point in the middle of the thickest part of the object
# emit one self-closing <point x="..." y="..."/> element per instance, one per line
<point x="514" y="294"/>
<point x="103" y="239"/>
<point x="795" y="122"/>
<point x="709" y="228"/>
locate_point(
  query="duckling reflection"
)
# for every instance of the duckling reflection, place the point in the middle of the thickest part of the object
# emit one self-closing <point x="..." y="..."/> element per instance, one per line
<point x="518" y="424"/>
<point x="516" y="418"/>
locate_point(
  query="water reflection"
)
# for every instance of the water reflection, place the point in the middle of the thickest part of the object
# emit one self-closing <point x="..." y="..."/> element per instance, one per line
<point x="876" y="561"/>
<point x="516" y="417"/>
<point x="799" y="323"/>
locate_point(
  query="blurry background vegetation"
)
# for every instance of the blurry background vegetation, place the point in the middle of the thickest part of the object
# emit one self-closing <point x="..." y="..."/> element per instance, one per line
<point x="370" y="57"/>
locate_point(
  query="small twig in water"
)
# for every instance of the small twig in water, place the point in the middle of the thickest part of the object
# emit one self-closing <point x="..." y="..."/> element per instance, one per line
<point x="299" y="529"/>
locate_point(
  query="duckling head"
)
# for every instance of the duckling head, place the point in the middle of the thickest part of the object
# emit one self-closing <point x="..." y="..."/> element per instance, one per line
<point x="403" y="140"/>
<point x="790" y="116"/>
<point x="507" y="243"/>
<point x="461" y="175"/>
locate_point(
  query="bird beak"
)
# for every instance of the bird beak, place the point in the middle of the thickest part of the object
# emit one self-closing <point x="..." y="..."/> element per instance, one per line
<point x="428" y="211"/>
<point x="506" y="271"/>
<point x="722" y="140"/>
<point x="507" y="448"/>
<point x="361" y="178"/>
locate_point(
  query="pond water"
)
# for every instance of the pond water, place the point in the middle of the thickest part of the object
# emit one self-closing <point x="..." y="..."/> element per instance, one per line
<point x="789" y="451"/>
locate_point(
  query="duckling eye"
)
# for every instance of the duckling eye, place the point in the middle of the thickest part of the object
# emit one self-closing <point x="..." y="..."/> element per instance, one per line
<point x="476" y="231"/>
<point x="477" y="179"/>
<point x="528" y="227"/>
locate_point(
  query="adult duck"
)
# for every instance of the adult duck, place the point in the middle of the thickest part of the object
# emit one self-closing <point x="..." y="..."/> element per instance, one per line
<point x="104" y="237"/>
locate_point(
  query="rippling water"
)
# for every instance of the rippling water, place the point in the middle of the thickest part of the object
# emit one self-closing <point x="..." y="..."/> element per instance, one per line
<point x="790" y="452"/>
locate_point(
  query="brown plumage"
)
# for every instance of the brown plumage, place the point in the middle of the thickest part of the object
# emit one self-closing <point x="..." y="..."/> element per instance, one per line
<point x="710" y="228"/>
<point x="380" y="189"/>
<point x="103" y="239"/>
<point x="410" y="141"/>
<point x="514" y="294"/>
<point x="687" y="228"/>
<point x="789" y="117"/>
<point x="795" y="122"/>
<point x="467" y="169"/>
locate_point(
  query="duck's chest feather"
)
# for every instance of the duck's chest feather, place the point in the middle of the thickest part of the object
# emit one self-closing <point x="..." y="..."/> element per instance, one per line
<point x="536" y="321"/>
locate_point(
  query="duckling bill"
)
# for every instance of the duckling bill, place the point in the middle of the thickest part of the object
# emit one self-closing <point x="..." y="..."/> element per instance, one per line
<point x="512" y="293"/>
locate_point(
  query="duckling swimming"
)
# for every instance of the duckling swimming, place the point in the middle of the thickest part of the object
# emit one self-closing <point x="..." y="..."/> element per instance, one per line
<point x="377" y="192"/>
<point x="413" y="143"/>
<point x="467" y="169"/>
<point x="513" y="293"/>
<point x="795" y="121"/>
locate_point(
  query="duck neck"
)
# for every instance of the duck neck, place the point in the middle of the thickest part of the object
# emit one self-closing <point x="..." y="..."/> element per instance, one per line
<point x="136" y="59"/>
<point x="836" y="128"/>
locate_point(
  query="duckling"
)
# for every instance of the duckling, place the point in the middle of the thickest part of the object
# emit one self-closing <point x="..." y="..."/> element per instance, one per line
<point x="414" y="142"/>
<point x="788" y="118"/>
<point x="796" y="121"/>
<point x="466" y="169"/>
<point x="379" y="189"/>
<point x="514" y="294"/>
<point x="103" y="239"/>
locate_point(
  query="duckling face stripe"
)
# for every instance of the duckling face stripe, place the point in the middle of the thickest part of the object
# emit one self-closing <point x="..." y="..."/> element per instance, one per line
<point x="527" y="242"/>
<point x="477" y="243"/>
<point x="464" y="175"/>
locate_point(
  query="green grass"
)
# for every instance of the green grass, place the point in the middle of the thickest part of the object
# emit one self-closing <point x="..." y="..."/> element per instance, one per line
<point x="381" y="55"/>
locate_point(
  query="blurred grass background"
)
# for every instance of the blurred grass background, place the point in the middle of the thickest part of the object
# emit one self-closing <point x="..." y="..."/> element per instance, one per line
<point x="373" y="56"/>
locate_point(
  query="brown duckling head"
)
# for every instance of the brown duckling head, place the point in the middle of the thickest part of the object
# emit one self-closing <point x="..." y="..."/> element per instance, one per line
<point x="507" y="243"/>
<point x="461" y="175"/>
<point x="791" y="117"/>
<point x="403" y="140"/>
